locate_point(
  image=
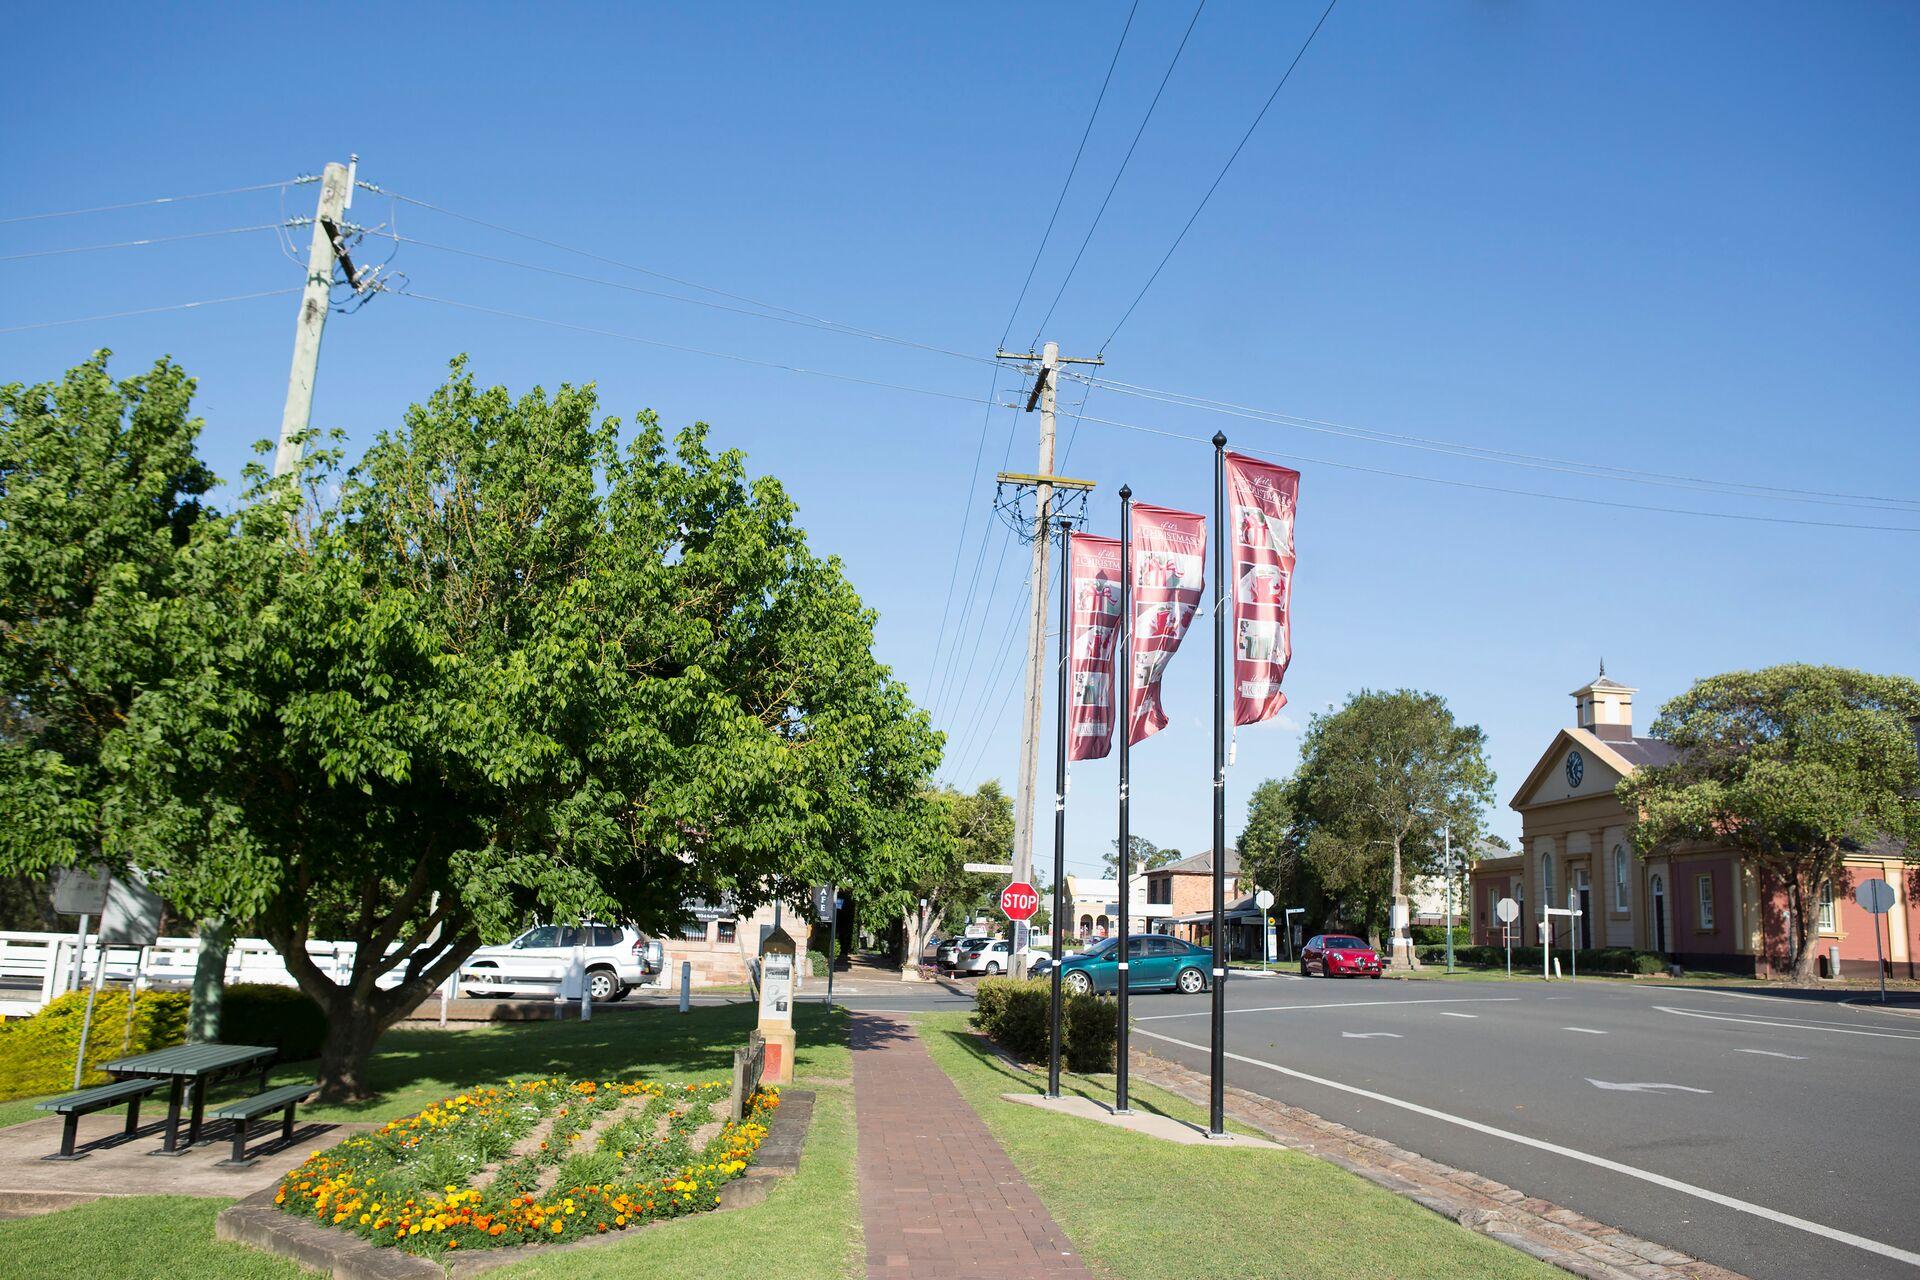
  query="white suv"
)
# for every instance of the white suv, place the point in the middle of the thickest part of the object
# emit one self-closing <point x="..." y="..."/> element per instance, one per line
<point x="536" y="962"/>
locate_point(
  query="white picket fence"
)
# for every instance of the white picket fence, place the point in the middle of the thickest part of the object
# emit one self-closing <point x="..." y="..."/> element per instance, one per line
<point x="47" y="960"/>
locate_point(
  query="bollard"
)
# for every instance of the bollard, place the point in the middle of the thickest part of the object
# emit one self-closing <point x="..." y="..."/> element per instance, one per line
<point x="686" y="980"/>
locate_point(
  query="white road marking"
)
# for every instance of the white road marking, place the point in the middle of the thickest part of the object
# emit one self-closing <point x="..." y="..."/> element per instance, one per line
<point x="1371" y="1035"/>
<point x="1768" y="1053"/>
<point x="1449" y="1013"/>
<point x="1349" y="1004"/>
<point x="1744" y="1021"/>
<point x="1643" y="1087"/>
<point x="1585" y="1031"/>
<point x="1907" y="1256"/>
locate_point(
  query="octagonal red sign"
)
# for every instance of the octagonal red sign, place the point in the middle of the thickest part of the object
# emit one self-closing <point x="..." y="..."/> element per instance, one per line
<point x="1019" y="900"/>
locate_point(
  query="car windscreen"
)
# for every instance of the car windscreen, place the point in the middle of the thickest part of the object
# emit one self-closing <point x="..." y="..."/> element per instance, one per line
<point x="1340" y="942"/>
<point x="1101" y="949"/>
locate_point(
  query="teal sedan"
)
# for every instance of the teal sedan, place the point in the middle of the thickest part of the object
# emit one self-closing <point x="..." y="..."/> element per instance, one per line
<point x="1155" y="962"/>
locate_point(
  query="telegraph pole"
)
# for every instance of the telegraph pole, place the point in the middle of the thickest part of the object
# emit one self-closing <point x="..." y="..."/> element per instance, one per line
<point x="1044" y="483"/>
<point x="336" y="197"/>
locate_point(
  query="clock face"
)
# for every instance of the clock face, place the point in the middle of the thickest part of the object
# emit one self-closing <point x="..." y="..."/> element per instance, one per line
<point x="1576" y="768"/>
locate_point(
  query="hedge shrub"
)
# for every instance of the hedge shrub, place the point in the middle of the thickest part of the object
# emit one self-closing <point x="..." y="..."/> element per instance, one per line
<point x="36" y="1054"/>
<point x="1433" y="935"/>
<point x="1018" y="1015"/>
<point x="284" y="1017"/>
<point x="1594" y="960"/>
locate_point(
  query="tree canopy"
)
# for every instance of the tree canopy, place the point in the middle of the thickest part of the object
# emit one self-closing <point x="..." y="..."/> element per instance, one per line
<point x="1144" y="853"/>
<point x="1793" y="765"/>
<point x="976" y="827"/>
<point x="506" y="667"/>
<point x="1378" y="780"/>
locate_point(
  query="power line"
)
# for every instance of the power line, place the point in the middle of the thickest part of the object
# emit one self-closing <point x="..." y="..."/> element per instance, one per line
<point x="139" y="244"/>
<point x="148" y="311"/>
<point x="1482" y="453"/>
<point x="1525" y="493"/>
<point x="1285" y="76"/>
<point x="1101" y="212"/>
<point x="141" y="204"/>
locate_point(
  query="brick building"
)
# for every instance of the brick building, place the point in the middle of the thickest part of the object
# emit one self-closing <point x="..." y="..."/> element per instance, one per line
<point x="1700" y="903"/>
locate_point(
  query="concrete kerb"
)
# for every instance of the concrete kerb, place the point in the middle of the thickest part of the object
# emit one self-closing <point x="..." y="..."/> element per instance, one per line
<point x="1539" y="1228"/>
<point x="258" y="1222"/>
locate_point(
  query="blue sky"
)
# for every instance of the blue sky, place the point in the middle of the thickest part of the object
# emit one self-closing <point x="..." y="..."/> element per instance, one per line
<point x="1670" y="238"/>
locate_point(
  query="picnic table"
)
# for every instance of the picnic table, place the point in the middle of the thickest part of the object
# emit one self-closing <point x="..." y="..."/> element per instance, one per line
<point x="195" y="1067"/>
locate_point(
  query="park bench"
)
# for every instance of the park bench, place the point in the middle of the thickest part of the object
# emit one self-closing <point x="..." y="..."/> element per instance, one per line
<point x="243" y="1112"/>
<point x="101" y="1097"/>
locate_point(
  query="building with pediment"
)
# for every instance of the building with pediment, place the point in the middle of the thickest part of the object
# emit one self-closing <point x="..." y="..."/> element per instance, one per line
<point x="1699" y="903"/>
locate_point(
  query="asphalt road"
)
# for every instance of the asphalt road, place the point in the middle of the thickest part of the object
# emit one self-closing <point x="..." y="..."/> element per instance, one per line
<point x="1775" y="1136"/>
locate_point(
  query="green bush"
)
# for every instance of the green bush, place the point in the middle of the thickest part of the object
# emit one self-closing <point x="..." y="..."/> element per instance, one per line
<point x="817" y="964"/>
<point x="36" y="1054"/>
<point x="1433" y="935"/>
<point x="284" y="1017"/>
<point x="1593" y="960"/>
<point x="1018" y="1015"/>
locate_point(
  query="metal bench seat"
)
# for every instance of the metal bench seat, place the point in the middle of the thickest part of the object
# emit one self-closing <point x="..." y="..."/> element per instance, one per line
<point x="283" y="1099"/>
<point x="100" y="1097"/>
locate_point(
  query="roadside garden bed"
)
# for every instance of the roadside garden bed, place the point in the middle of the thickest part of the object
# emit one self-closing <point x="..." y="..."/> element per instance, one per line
<point x="548" y="1161"/>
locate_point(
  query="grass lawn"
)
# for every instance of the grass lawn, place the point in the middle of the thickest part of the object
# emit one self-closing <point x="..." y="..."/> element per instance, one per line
<point x="811" y="1221"/>
<point x="136" y="1238"/>
<point x="1142" y="1209"/>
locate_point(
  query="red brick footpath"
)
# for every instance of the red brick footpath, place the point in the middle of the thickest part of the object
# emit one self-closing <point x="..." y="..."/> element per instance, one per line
<point x="939" y="1197"/>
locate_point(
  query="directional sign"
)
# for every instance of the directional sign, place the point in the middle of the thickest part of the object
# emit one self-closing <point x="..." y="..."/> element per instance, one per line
<point x="1019" y="901"/>
<point x="1875" y="894"/>
<point x="1508" y="910"/>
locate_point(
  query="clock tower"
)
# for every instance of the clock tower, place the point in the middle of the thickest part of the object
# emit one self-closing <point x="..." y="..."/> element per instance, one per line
<point x="1604" y="708"/>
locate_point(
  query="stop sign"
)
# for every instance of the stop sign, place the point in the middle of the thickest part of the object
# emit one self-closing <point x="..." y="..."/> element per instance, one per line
<point x="1019" y="901"/>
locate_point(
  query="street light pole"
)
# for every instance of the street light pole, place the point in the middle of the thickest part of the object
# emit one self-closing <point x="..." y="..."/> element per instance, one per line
<point x="1446" y="863"/>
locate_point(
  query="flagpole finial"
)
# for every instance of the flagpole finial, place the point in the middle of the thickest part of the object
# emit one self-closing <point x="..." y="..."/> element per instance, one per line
<point x="1126" y="491"/>
<point x="1603" y="666"/>
<point x="1219" y="439"/>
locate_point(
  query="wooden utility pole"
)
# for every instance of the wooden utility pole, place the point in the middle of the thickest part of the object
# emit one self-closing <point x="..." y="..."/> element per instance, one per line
<point x="336" y="197"/>
<point x="1043" y="395"/>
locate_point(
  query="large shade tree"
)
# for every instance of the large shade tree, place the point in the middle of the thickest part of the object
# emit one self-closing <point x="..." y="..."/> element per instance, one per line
<point x="1792" y="765"/>
<point x="974" y="826"/>
<point x="506" y="667"/>
<point x="1379" y="779"/>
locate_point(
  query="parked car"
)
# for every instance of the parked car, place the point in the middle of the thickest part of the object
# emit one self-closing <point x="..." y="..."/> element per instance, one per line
<point x="947" y="955"/>
<point x="536" y="962"/>
<point x="1155" y="962"/>
<point x="989" y="956"/>
<point x="1334" y="954"/>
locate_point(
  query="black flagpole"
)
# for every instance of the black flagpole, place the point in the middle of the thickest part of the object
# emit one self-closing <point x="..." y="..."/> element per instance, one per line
<point x="1217" y="1118"/>
<point x="1123" y="667"/>
<point x="1060" y="801"/>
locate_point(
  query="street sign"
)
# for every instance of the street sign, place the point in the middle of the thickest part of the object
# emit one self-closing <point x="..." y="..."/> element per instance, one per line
<point x="77" y="893"/>
<point x="1019" y="901"/>
<point x="1263" y="900"/>
<point x="1507" y="910"/>
<point x="988" y="868"/>
<point x="1876" y="895"/>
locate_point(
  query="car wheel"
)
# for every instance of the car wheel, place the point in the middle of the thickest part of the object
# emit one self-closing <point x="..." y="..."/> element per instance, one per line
<point x="602" y="984"/>
<point x="1191" y="981"/>
<point x="1304" y="971"/>
<point x="621" y="994"/>
<point x="1078" y="983"/>
<point x="1373" y="975"/>
<point x="993" y="968"/>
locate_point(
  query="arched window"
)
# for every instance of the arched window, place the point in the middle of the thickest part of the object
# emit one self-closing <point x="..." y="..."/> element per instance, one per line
<point x="1619" y="877"/>
<point x="1086" y="926"/>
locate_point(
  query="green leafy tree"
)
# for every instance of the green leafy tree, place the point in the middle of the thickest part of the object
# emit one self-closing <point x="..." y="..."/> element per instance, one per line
<point x="976" y="827"/>
<point x="1792" y="765"/>
<point x="1377" y="781"/>
<point x="1145" y="852"/>
<point x="1269" y="851"/>
<point x="504" y="668"/>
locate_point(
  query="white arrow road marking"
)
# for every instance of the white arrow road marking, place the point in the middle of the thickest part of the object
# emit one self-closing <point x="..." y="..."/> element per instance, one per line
<point x="1348" y="1004"/>
<point x="1585" y="1031"/>
<point x="1643" y="1088"/>
<point x="1768" y="1053"/>
<point x="1372" y="1035"/>
<point x="1898" y="1254"/>
<point x="1449" y="1013"/>
<point x="1744" y="1021"/>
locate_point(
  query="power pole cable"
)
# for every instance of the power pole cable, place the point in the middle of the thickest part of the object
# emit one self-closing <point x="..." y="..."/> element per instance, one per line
<point x="336" y="196"/>
<point x="1043" y="483"/>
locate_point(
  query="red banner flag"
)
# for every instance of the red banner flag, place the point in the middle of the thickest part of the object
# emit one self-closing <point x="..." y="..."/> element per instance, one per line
<point x="1169" y="562"/>
<point x="1260" y="505"/>
<point x="1095" y="624"/>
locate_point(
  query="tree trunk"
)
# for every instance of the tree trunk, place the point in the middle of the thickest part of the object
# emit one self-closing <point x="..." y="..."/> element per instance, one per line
<point x="353" y="1027"/>
<point x="209" y="982"/>
<point x="1806" y="926"/>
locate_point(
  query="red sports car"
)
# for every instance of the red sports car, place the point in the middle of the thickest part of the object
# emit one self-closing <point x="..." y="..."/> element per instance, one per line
<point x="1334" y="954"/>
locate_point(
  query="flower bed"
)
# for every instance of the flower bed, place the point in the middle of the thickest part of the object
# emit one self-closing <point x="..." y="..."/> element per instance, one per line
<point x="539" y="1160"/>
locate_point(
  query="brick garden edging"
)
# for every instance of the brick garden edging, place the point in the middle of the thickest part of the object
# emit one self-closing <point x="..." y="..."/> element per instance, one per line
<point x="1554" y="1235"/>
<point x="258" y="1222"/>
